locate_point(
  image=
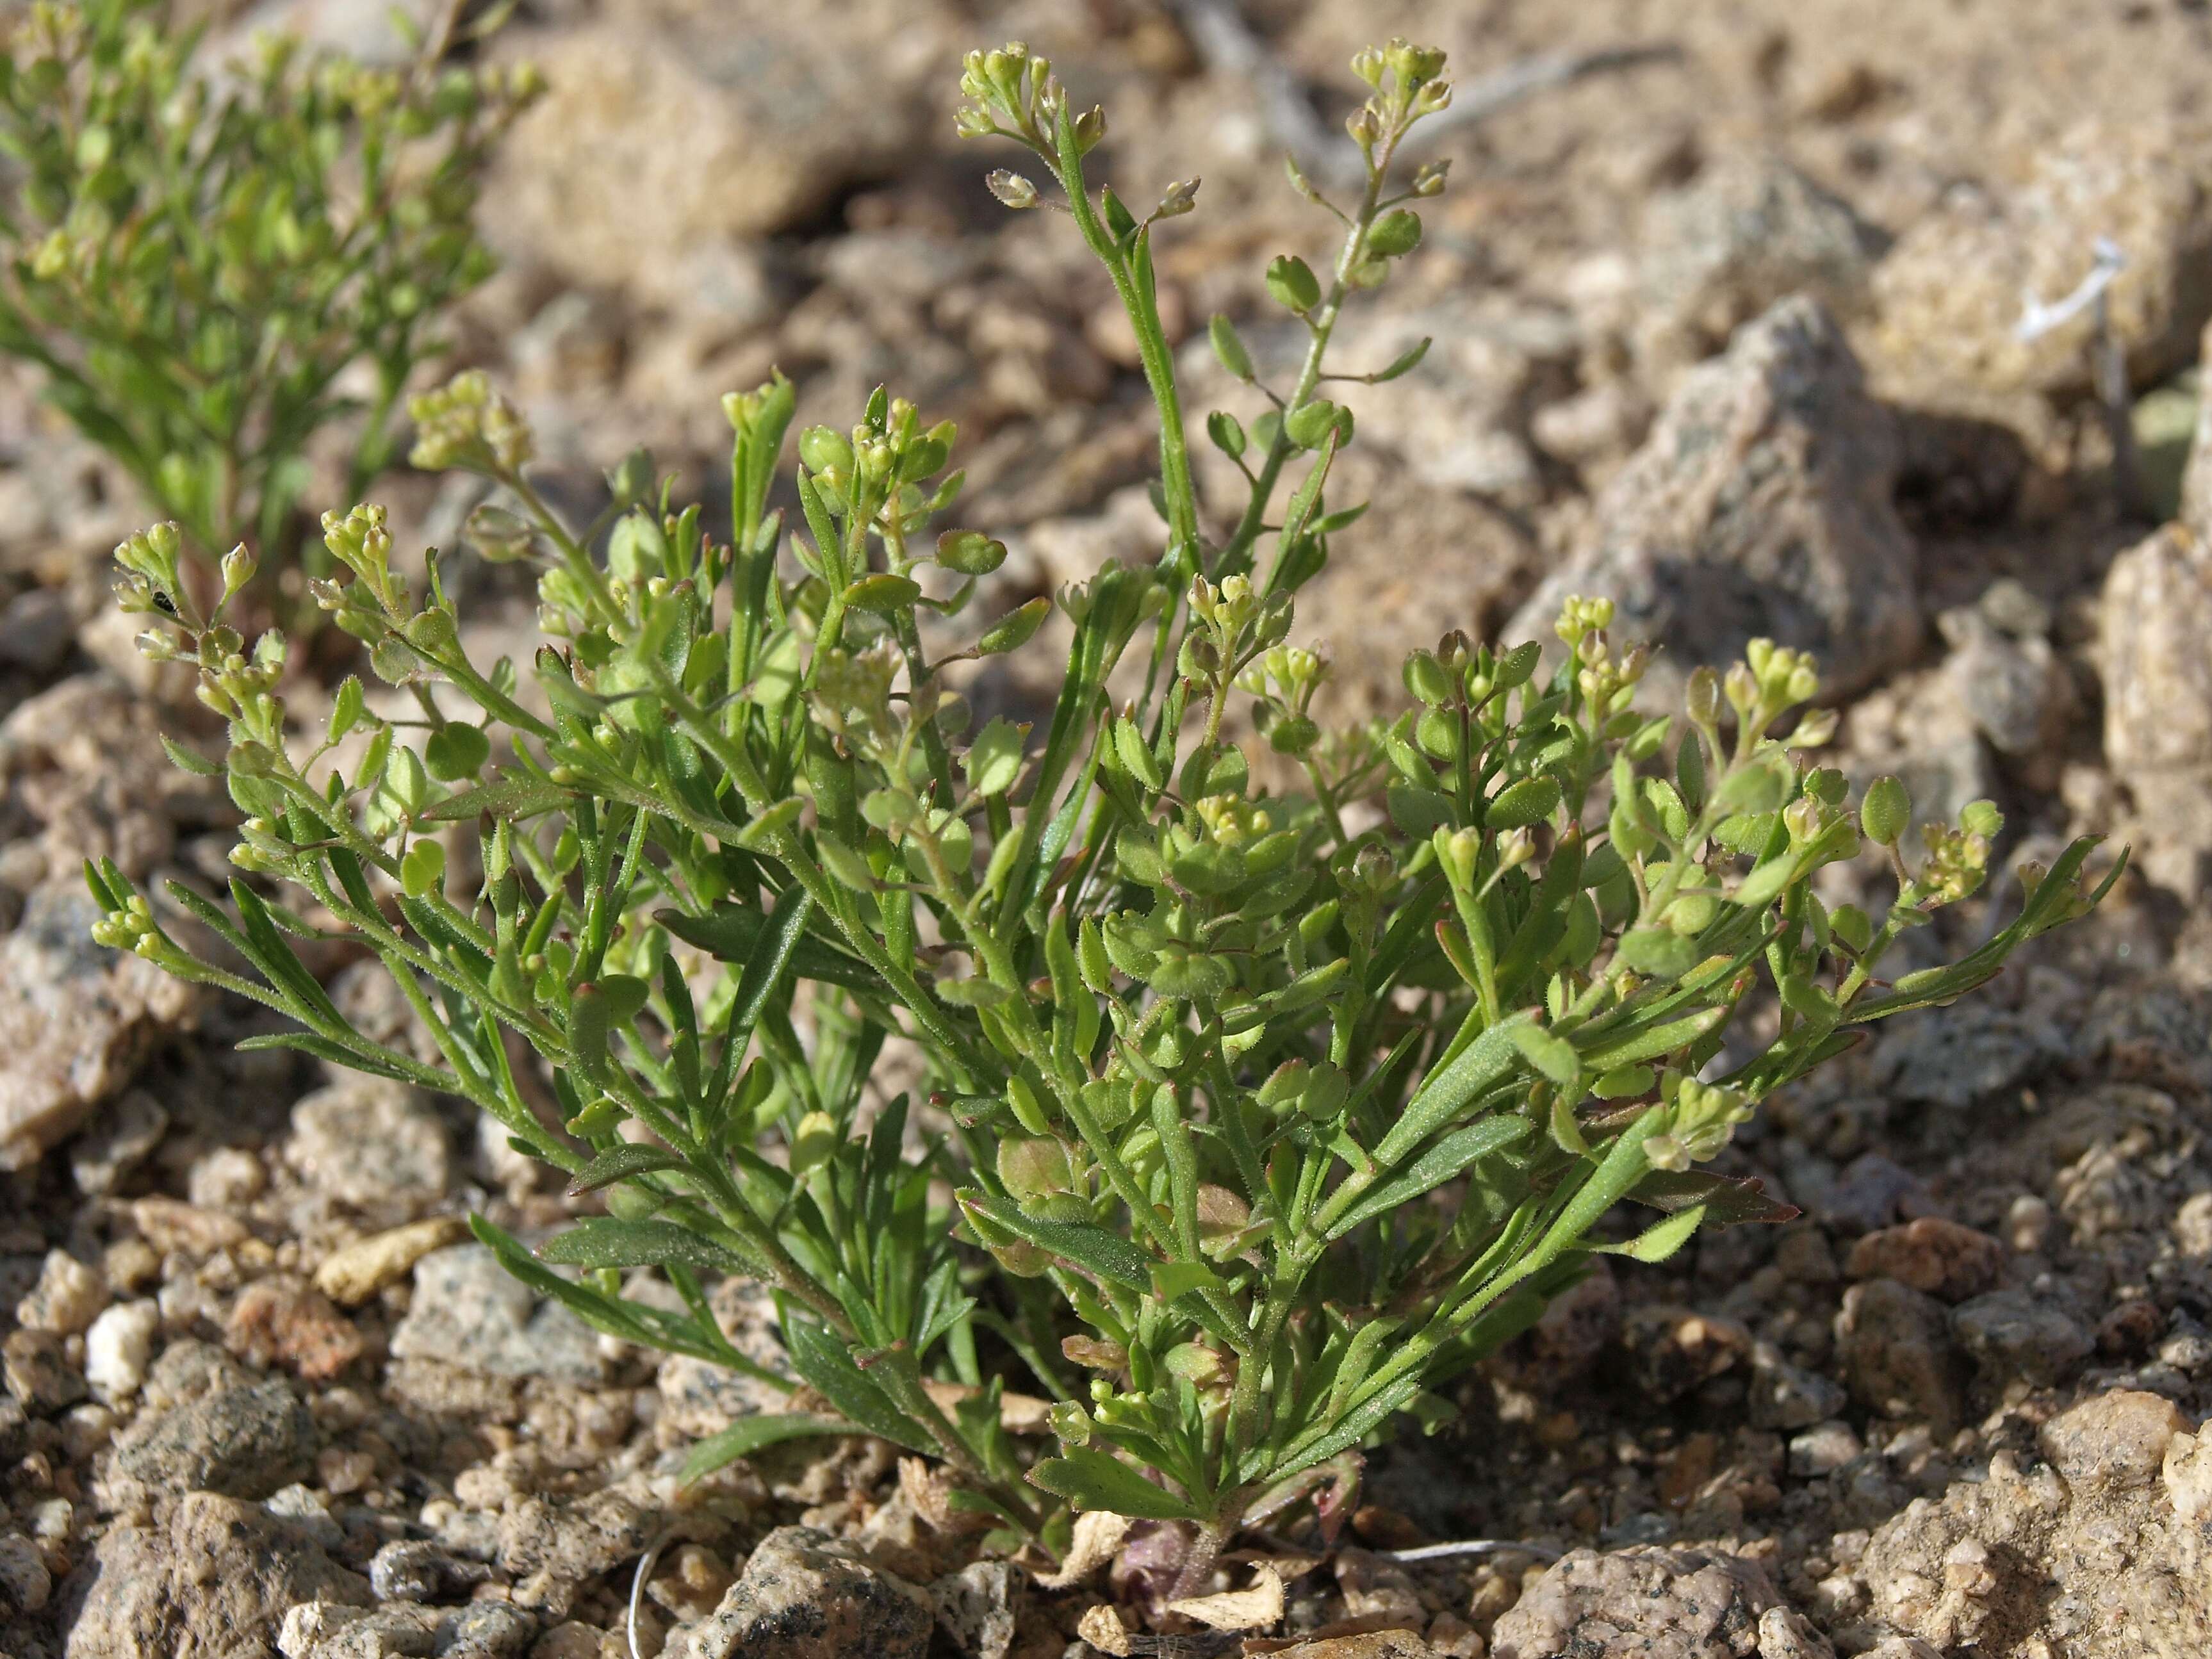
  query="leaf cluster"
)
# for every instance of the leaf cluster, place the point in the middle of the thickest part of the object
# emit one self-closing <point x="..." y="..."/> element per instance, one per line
<point x="196" y="254"/>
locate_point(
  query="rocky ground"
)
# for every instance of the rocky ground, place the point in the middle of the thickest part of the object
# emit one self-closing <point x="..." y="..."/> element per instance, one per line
<point x="1729" y="334"/>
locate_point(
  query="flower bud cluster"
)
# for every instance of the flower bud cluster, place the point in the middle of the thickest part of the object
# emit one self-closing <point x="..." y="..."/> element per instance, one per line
<point x="465" y="425"/>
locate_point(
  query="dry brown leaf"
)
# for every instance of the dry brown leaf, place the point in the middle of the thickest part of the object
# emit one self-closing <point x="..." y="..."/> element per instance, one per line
<point x="1097" y="1535"/>
<point x="1253" y="1608"/>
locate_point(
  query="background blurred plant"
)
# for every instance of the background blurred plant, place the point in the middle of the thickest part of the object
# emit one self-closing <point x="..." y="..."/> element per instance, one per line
<point x="1264" y="1117"/>
<point x="197" y="254"/>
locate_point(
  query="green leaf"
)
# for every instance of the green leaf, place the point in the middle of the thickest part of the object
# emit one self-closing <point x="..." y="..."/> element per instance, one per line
<point x="605" y="1242"/>
<point x="1309" y="422"/>
<point x="1013" y="631"/>
<point x="512" y="798"/>
<point x="883" y="593"/>
<point x="188" y="760"/>
<point x="1656" y="953"/>
<point x="1097" y="1480"/>
<point x="750" y="1434"/>
<point x="1291" y="281"/>
<point x="1135" y="755"/>
<point x="731" y="933"/>
<point x="1723" y="1201"/>
<point x="1403" y="363"/>
<point x="1446" y="1160"/>
<point x="423" y="870"/>
<point x="1483" y="1063"/>
<point x="993" y="761"/>
<point x="1658" y="1242"/>
<point x="1229" y="349"/>
<point x="373" y="1060"/>
<point x="620" y="1164"/>
<point x="1554" y="1056"/>
<point x="822" y="1360"/>
<point x="455" y="751"/>
<point x="1106" y="1256"/>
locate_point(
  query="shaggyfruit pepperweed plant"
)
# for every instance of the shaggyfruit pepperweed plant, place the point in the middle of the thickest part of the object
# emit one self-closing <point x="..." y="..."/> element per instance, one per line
<point x="196" y="256"/>
<point x="1264" y="1117"/>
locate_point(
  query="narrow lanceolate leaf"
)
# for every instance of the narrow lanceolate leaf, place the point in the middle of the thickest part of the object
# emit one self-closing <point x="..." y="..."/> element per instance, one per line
<point x="822" y="1360"/>
<point x="620" y="1164"/>
<point x="605" y="1242"/>
<point x="1482" y="1063"/>
<point x="750" y="1434"/>
<point x="1098" y="1480"/>
<point x="512" y="798"/>
<point x="1107" y="1254"/>
<point x="1445" y="1161"/>
<point x="1657" y="1243"/>
<point x="731" y="932"/>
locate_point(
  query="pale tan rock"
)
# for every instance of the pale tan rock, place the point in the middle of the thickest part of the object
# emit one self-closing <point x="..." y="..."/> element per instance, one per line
<point x="356" y="1272"/>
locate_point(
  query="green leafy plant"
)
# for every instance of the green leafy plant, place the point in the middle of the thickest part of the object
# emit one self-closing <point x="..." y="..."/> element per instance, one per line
<point x="195" y="256"/>
<point x="1265" y="1116"/>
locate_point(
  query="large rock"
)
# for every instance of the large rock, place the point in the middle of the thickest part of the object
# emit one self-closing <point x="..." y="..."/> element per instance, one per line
<point x="1644" y="1603"/>
<point x="214" y="1582"/>
<point x="1747" y="231"/>
<point x="241" y="1442"/>
<point x="2153" y="618"/>
<point x="75" y="1018"/>
<point x="1760" y="506"/>
<point x="806" y="1595"/>
<point x="1894" y="1344"/>
<point x="471" y="1312"/>
<point x="673" y="125"/>
<point x="372" y="1143"/>
<point x="1951" y="294"/>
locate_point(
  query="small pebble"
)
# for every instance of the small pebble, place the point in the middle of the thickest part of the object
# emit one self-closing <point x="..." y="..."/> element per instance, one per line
<point x="118" y="1347"/>
<point x="68" y="1297"/>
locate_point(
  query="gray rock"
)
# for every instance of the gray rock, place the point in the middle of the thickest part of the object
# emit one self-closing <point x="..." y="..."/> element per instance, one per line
<point x="700" y="1398"/>
<point x="1786" y="1633"/>
<point x="1649" y="1600"/>
<point x="24" y="1584"/>
<point x="552" y="1548"/>
<point x="1823" y="1449"/>
<point x="2153" y="620"/>
<point x="214" y="1582"/>
<point x="407" y="1630"/>
<point x="1895" y="1345"/>
<point x="371" y="1143"/>
<point x="733" y="123"/>
<point x="806" y="1595"/>
<point x="38" y="1373"/>
<point x="37" y="631"/>
<point x="980" y="1606"/>
<point x="1787" y="1396"/>
<point x="1963" y="1056"/>
<point x="2114" y="1441"/>
<point x="2016" y="689"/>
<point x="75" y="1018"/>
<point x="471" y="1312"/>
<point x="1871" y="1191"/>
<point x="1747" y="232"/>
<point x="1675" y="1350"/>
<point x="422" y="1570"/>
<point x="1760" y="506"/>
<point x="123" y="1137"/>
<point x="2012" y="1333"/>
<point x="239" y="1442"/>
